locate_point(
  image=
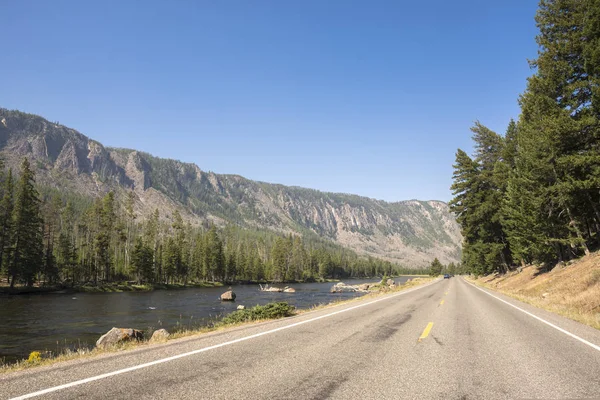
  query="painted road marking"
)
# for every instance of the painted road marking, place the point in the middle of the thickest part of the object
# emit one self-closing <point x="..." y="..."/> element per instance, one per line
<point x="426" y="331"/>
<point x="442" y="302"/>
<point x="592" y="345"/>
<point x="190" y="353"/>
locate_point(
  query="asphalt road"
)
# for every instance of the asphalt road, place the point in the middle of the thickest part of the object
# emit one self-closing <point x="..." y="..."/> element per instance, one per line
<point x="447" y="340"/>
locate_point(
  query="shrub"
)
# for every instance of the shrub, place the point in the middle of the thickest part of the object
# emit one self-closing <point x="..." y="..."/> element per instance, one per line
<point x="34" y="357"/>
<point x="268" y="311"/>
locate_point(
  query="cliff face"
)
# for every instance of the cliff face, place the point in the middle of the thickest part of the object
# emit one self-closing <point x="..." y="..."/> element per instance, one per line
<point x="410" y="232"/>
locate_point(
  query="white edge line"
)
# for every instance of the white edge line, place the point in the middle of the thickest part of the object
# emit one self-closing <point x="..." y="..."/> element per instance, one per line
<point x="582" y="340"/>
<point x="164" y="360"/>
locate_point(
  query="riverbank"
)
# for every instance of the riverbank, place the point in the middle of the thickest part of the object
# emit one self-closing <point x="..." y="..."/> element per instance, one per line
<point x="571" y="290"/>
<point x="116" y="287"/>
<point x="223" y="323"/>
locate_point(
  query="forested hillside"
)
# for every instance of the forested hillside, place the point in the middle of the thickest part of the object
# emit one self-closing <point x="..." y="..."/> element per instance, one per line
<point x="411" y="233"/>
<point x="57" y="238"/>
<point x="532" y="195"/>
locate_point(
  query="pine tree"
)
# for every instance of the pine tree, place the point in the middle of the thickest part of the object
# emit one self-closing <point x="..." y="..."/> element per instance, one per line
<point x="479" y="187"/>
<point x="181" y="268"/>
<point x="6" y="222"/>
<point x="141" y="261"/>
<point x="105" y="214"/>
<point x="298" y="260"/>
<point x="130" y="218"/>
<point x="27" y="238"/>
<point x="436" y="267"/>
<point x="198" y="258"/>
<point x="171" y="259"/>
<point x="559" y="128"/>
<point x="151" y="238"/>
<point x="214" y="259"/>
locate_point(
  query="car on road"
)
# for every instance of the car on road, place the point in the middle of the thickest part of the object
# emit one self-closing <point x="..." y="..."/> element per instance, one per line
<point x="446" y="276"/>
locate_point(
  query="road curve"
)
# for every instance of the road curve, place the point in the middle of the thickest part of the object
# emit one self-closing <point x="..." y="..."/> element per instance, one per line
<point x="446" y="340"/>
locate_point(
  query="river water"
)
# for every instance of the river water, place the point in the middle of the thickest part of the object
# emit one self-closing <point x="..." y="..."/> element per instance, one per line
<point x="52" y="322"/>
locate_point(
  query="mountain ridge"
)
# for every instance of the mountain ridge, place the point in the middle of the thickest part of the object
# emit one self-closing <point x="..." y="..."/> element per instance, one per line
<point x="410" y="232"/>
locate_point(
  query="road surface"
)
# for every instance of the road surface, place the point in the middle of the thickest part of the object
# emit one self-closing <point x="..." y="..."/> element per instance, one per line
<point x="446" y="340"/>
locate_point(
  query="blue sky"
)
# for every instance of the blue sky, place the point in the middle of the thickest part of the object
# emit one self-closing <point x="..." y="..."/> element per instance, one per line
<point x="365" y="97"/>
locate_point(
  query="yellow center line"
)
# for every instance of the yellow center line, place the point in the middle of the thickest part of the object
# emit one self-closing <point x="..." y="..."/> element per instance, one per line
<point x="442" y="302"/>
<point x="426" y="331"/>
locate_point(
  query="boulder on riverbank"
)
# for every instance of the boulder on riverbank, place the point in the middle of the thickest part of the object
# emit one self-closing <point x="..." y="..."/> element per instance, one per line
<point x="160" y="335"/>
<point x="118" y="335"/>
<point x="228" y="296"/>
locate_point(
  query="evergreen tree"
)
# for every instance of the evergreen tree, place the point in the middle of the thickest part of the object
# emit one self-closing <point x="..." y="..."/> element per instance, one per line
<point x="6" y="222"/>
<point x="130" y="217"/>
<point x="214" y="259"/>
<point x="280" y="256"/>
<point x="435" y="268"/>
<point x="298" y="260"/>
<point x="105" y="214"/>
<point x="152" y="241"/>
<point x="559" y="129"/>
<point x="141" y="261"/>
<point x="27" y="239"/>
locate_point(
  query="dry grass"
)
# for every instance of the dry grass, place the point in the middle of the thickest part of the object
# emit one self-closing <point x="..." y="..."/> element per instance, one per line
<point x="569" y="290"/>
<point x="67" y="354"/>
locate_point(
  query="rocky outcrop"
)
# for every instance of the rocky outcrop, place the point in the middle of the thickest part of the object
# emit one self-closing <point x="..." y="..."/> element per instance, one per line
<point x="118" y="335"/>
<point x="228" y="296"/>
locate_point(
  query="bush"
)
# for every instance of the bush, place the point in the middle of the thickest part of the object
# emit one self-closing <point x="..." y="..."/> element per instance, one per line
<point x="34" y="357"/>
<point x="268" y="311"/>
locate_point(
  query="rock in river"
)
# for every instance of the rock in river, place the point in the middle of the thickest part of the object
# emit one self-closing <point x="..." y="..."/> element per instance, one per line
<point x="118" y="335"/>
<point x="341" y="287"/>
<point x="289" y="290"/>
<point x="241" y="307"/>
<point x="228" y="296"/>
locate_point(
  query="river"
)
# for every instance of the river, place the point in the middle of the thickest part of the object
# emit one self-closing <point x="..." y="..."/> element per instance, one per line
<point x="53" y="322"/>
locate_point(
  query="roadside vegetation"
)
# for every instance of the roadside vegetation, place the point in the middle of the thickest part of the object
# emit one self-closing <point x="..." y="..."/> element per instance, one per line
<point x="532" y="195"/>
<point x="570" y="289"/>
<point x="256" y="314"/>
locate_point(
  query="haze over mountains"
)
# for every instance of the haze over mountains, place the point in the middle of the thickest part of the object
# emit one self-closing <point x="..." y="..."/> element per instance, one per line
<point x="410" y="232"/>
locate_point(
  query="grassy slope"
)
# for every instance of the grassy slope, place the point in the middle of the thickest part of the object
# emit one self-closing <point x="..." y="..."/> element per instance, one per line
<point x="571" y="290"/>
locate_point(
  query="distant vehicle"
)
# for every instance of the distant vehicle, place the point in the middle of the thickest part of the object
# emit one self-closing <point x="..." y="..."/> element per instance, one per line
<point x="446" y="276"/>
